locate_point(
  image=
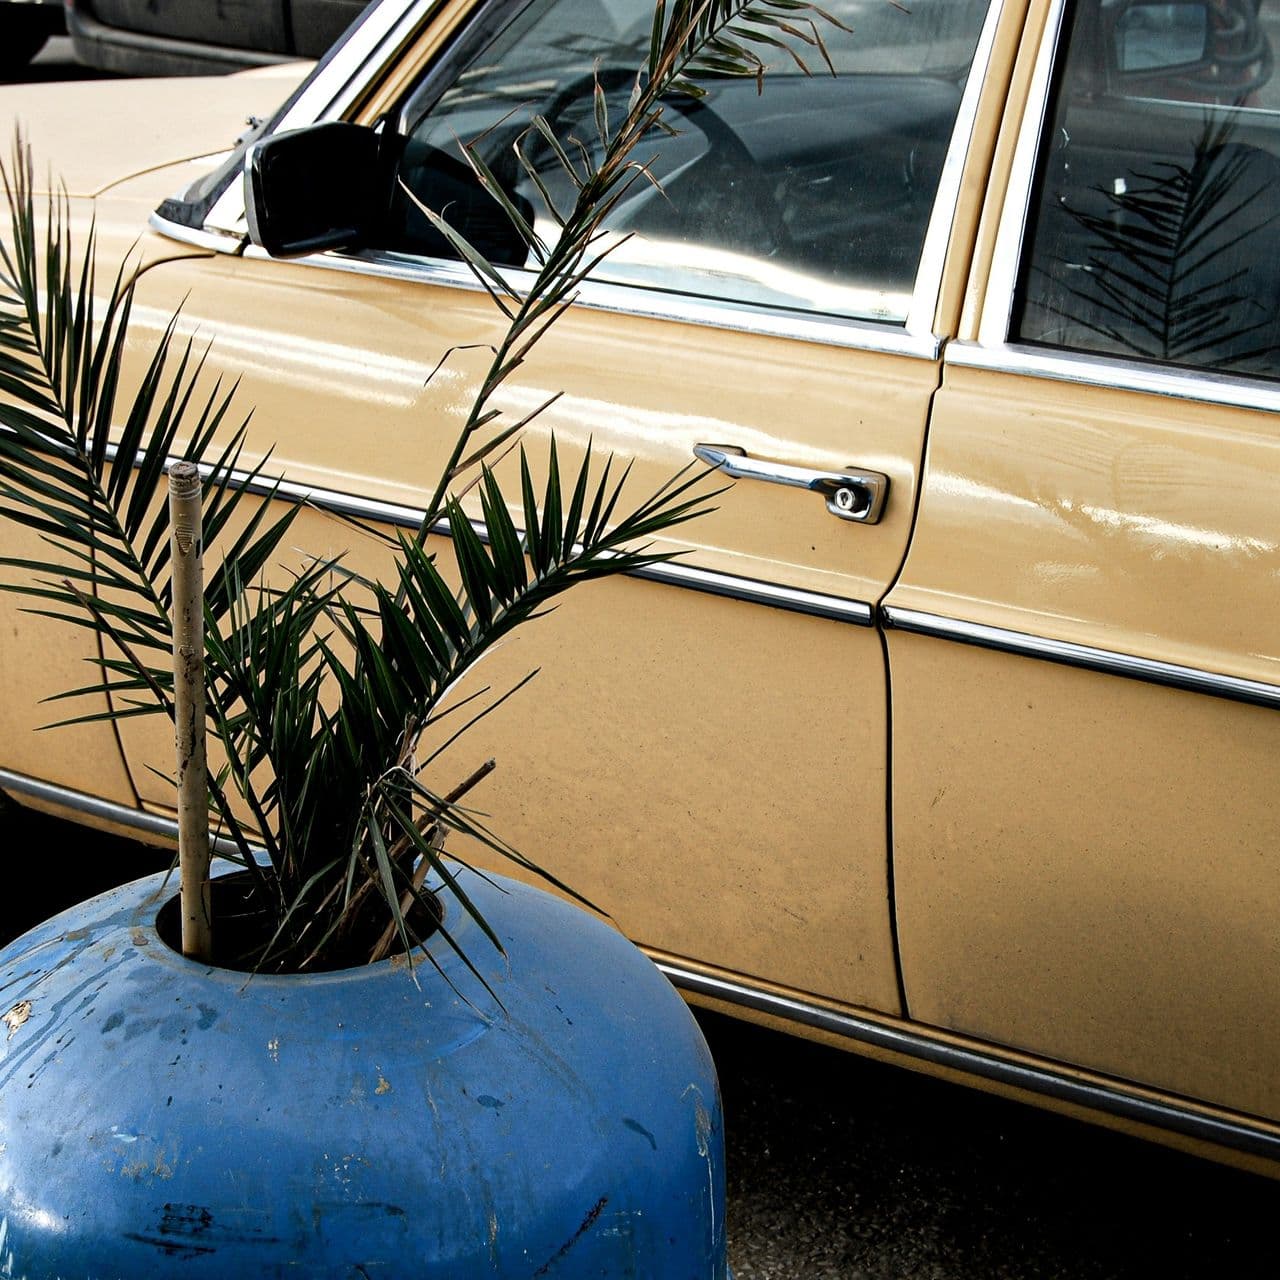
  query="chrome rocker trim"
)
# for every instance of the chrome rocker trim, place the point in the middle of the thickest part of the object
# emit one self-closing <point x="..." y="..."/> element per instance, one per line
<point x="1191" y="679"/>
<point x="121" y="815"/>
<point x="1041" y="1080"/>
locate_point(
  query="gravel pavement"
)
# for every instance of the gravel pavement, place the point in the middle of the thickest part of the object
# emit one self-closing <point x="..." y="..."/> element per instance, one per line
<point x="844" y="1169"/>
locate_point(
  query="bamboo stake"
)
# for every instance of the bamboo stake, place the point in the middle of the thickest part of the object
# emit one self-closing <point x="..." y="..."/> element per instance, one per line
<point x="187" y="542"/>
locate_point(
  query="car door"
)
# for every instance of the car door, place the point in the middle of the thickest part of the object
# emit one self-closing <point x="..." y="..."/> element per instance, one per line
<point x="1084" y="657"/>
<point x="704" y="751"/>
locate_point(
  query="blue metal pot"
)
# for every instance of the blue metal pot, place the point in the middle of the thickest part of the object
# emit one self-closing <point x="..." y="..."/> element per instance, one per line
<point x="160" y="1117"/>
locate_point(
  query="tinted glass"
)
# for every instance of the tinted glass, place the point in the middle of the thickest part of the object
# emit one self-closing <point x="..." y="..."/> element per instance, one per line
<point x="814" y="194"/>
<point x="1157" y="227"/>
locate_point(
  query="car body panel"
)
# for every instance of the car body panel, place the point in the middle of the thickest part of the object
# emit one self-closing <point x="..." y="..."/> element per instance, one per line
<point x="1118" y="893"/>
<point x="1121" y="520"/>
<point x="339" y="416"/>
<point x="985" y="788"/>
<point x="124" y="128"/>
<point x="1101" y="516"/>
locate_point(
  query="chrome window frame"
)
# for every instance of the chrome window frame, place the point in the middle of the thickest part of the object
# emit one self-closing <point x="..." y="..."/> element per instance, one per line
<point x="997" y="310"/>
<point x="656" y="304"/>
<point x="996" y="350"/>
<point x="332" y="89"/>
<point x="933" y="254"/>
<point x="336" y="85"/>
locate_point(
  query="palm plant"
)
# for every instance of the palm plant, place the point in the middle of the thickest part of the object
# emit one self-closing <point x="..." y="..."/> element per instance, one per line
<point x="319" y="687"/>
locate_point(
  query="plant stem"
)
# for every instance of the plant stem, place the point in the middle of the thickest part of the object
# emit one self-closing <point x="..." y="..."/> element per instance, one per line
<point x="434" y="834"/>
<point x="187" y="538"/>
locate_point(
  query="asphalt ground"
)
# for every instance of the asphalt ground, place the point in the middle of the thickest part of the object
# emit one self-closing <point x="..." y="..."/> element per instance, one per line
<point x="843" y="1169"/>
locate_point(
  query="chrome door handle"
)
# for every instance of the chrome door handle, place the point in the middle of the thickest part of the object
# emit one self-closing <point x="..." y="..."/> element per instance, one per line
<point x="850" y="495"/>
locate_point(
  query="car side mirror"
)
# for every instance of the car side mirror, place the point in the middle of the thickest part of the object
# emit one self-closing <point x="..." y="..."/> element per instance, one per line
<point x="308" y="190"/>
<point x="1149" y="38"/>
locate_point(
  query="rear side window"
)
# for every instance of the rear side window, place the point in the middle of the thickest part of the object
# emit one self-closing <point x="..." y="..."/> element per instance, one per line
<point x="1156" y="229"/>
<point x="815" y="194"/>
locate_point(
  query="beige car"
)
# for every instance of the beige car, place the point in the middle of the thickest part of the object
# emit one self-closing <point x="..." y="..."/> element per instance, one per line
<point x="954" y="739"/>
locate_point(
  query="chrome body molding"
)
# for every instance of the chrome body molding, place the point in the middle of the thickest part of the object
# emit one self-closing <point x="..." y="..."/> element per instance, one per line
<point x="214" y="241"/>
<point x="651" y="304"/>
<point x="912" y="1041"/>
<point x="1125" y="375"/>
<point x="1191" y="679"/>
<point x="774" y="595"/>
<point x="753" y="591"/>
<point x="672" y="574"/>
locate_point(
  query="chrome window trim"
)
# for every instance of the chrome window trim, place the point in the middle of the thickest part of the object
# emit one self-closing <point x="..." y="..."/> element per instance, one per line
<point x="997" y="310"/>
<point x="946" y="201"/>
<point x="816" y="604"/>
<point x="1043" y="1080"/>
<point x="995" y="351"/>
<point x="331" y="90"/>
<point x="1107" y="661"/>
<point x="214" y="241"/>
<point x="652" y="304"/>
<point x="1085" y="369"/>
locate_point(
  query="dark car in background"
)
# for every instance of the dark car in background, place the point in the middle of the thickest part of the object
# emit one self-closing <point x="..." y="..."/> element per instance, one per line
<point x="203" y="37"/>
<point x="24" y="27"/>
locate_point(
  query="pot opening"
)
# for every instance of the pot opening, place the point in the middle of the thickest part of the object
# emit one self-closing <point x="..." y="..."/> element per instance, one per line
<point x="244" y="927"/>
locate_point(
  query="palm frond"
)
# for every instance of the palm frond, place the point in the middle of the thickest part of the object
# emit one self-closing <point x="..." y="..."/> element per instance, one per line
<point x="66" y="471"/>
<point x="690" y="39"/>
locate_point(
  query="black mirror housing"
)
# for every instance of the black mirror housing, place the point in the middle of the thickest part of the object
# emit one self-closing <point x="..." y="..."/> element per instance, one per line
<point x="312" y="189"/>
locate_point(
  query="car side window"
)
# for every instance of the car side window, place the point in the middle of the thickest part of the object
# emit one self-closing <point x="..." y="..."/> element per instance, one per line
<point x="814" y="194"/>
<point x="1155" y="232"/>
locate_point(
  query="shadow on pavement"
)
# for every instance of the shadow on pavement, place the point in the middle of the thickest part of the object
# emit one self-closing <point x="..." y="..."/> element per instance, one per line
<point x="58" y="864"/>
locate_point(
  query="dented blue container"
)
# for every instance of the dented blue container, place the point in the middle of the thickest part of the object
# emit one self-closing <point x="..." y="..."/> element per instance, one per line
<point x="159" y="1117"/>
